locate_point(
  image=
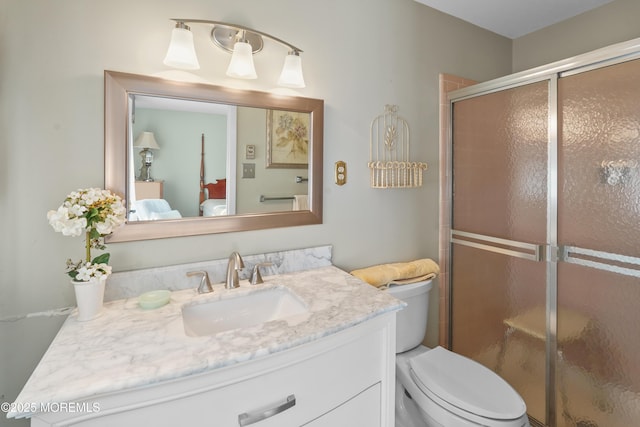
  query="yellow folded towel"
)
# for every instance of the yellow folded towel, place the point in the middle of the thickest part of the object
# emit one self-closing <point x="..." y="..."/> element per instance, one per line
<point x="399" y="272"/>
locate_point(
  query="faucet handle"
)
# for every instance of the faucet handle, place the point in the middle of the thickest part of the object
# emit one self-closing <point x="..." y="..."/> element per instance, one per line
<point x="256" y="277"/>
<point x="205" y="283"/>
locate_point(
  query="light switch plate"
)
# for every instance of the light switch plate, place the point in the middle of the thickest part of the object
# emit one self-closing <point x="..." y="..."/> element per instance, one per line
<point x="341" y="172"/>
<point x="248" y="170"/>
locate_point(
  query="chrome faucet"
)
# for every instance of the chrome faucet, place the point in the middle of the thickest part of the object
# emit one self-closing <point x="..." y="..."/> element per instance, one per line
<point x="205" y="283"/>
<point x="256" y="277"/>
<point x="235" y="264"/>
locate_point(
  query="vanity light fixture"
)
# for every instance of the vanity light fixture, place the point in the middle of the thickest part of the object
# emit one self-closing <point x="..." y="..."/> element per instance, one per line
<point x="181" y="53"/>
<point x="147" y="142"/>
<point x="241" y="41"/>
<point x="241" y="65"/>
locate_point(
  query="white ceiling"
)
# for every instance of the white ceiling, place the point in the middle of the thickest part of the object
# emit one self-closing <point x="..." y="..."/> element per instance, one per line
<point x="513" y="18"/>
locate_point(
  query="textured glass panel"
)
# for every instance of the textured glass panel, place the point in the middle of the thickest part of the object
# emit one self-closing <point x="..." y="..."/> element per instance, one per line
<point x="499" y="318"/>
<point x="598" y="379"/>
<point x="500" y="145"/>
<point x="599" y="208"/>
<point x="500" y="163"/>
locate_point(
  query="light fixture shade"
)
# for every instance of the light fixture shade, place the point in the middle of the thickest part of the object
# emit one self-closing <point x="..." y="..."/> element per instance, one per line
<point x="181" y="53"/>
<point x="146" y="140"/>
<point x="241" y="65"/>
<point x="291" y="75"/>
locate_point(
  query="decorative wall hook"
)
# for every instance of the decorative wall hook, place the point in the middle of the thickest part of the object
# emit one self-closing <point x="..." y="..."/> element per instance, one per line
<point x="389" y="153"/>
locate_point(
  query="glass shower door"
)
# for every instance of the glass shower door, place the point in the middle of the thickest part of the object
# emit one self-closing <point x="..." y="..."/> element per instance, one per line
<point x="499" y="227"/>
<point x="598" y="363"/>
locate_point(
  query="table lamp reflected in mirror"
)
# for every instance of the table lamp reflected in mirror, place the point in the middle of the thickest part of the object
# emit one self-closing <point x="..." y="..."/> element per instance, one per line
<point x="147" y="142"/>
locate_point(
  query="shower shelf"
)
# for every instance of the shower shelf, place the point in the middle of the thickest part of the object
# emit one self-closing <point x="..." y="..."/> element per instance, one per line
<point x="389" y="149"/>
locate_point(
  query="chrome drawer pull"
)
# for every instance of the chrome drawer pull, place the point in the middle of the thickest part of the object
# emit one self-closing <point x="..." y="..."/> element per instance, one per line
<point x="261" y="414"/>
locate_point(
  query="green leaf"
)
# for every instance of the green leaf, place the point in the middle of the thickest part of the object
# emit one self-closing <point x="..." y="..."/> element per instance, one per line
<point x="92" y="212"/>
<point x="94" y="234"/>
<point x="73" y="274"/>
<point x="101" y="259"/>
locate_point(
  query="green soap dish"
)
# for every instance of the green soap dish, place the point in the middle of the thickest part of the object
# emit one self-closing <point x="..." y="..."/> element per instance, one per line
<point x="154" y="299"/>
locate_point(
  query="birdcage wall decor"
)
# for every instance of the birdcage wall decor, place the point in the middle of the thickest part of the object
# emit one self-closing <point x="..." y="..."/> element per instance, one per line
<point x="390" y="165"/>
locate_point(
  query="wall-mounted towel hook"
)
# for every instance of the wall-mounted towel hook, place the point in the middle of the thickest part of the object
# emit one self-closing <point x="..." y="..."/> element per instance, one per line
<point x="389" y="162"/>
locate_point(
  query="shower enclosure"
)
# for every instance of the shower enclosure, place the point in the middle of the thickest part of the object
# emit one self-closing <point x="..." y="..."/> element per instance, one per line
<point x="544" y="257"/>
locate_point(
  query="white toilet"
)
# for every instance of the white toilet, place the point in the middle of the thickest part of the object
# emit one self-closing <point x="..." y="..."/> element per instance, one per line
<point x="436" y="387"/>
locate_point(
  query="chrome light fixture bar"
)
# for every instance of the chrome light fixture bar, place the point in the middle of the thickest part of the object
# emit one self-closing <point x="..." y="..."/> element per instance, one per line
<point x="241" y="41"/>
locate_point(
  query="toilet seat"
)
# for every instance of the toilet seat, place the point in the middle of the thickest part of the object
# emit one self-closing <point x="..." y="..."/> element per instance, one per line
<point x="462" y="384"/>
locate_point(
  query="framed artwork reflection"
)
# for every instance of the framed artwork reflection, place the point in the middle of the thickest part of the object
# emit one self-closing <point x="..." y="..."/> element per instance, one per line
<point x="288" y="136"/>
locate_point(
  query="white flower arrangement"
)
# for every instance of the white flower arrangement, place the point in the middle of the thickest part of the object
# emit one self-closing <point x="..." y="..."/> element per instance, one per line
<point x="96" y="213"/>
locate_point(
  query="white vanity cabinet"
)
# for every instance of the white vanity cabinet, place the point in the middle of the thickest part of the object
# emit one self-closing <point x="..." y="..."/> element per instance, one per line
<point x="332" y="365"/>
<point x="342" y="379"/>
<point x="359" y="411"/>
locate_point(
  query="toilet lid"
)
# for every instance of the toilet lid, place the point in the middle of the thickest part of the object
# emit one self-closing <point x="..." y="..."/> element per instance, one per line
<point x="465" y="384"/>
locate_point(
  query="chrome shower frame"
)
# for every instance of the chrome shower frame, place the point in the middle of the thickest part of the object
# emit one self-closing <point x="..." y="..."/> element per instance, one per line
<point x="551" y="253"/>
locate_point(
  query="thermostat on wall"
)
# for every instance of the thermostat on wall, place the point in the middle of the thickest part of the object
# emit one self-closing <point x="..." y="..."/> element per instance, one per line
<point x="250" y="152"/>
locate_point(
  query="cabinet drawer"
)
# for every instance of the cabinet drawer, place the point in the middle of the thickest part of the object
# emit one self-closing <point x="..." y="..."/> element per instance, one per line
<point x="359" y="411"/>
<point x="318" y="383"/>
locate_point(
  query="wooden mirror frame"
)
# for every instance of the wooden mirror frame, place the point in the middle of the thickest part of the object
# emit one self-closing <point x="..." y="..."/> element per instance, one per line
<point x="118" y="86"/>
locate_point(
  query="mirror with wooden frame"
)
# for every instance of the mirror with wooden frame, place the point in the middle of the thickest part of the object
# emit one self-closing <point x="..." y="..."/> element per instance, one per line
<point x="222" y="159"/>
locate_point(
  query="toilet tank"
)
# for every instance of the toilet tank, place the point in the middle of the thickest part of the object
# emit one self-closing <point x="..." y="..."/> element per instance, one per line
<point x="411" y="322"/>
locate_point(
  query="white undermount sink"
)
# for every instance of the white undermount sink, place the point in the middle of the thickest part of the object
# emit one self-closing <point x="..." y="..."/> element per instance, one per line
<point x="241" y="311"/>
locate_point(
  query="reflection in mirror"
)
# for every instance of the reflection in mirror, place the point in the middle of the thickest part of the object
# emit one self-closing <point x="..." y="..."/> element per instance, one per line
<point x="223" y="159"/>
<point x="200" y="142"/>
<point x="195" y="139"/>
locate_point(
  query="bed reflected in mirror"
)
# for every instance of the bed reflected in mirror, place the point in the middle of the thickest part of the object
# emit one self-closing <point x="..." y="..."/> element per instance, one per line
<point x="189" y="135"/>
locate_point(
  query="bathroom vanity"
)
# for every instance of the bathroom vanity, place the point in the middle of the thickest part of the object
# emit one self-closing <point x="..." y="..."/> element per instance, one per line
<point x="328" y="363"/>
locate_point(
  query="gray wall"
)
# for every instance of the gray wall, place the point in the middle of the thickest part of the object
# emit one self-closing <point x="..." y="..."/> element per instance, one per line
<point x="358" y="56"/>
<point x="269" y="182"/>
<point x="612" y="23"/>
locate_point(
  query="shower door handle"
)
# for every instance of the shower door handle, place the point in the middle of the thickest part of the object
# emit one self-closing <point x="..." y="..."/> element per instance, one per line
<point x="615" y="263"/>
<point x="514" y="248"/>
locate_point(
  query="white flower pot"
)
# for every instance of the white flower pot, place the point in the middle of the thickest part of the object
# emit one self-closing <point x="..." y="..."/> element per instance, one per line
<point x="89" y="297"/>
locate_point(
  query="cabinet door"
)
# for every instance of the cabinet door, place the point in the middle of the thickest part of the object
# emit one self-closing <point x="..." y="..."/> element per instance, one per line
<point x="362" y="410"/>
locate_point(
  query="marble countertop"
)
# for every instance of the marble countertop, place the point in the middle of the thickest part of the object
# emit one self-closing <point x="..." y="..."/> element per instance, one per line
<point x="127" y="347"/>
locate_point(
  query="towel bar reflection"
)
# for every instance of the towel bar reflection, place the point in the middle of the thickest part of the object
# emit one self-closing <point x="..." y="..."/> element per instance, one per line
<point x="266" y="199"/>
